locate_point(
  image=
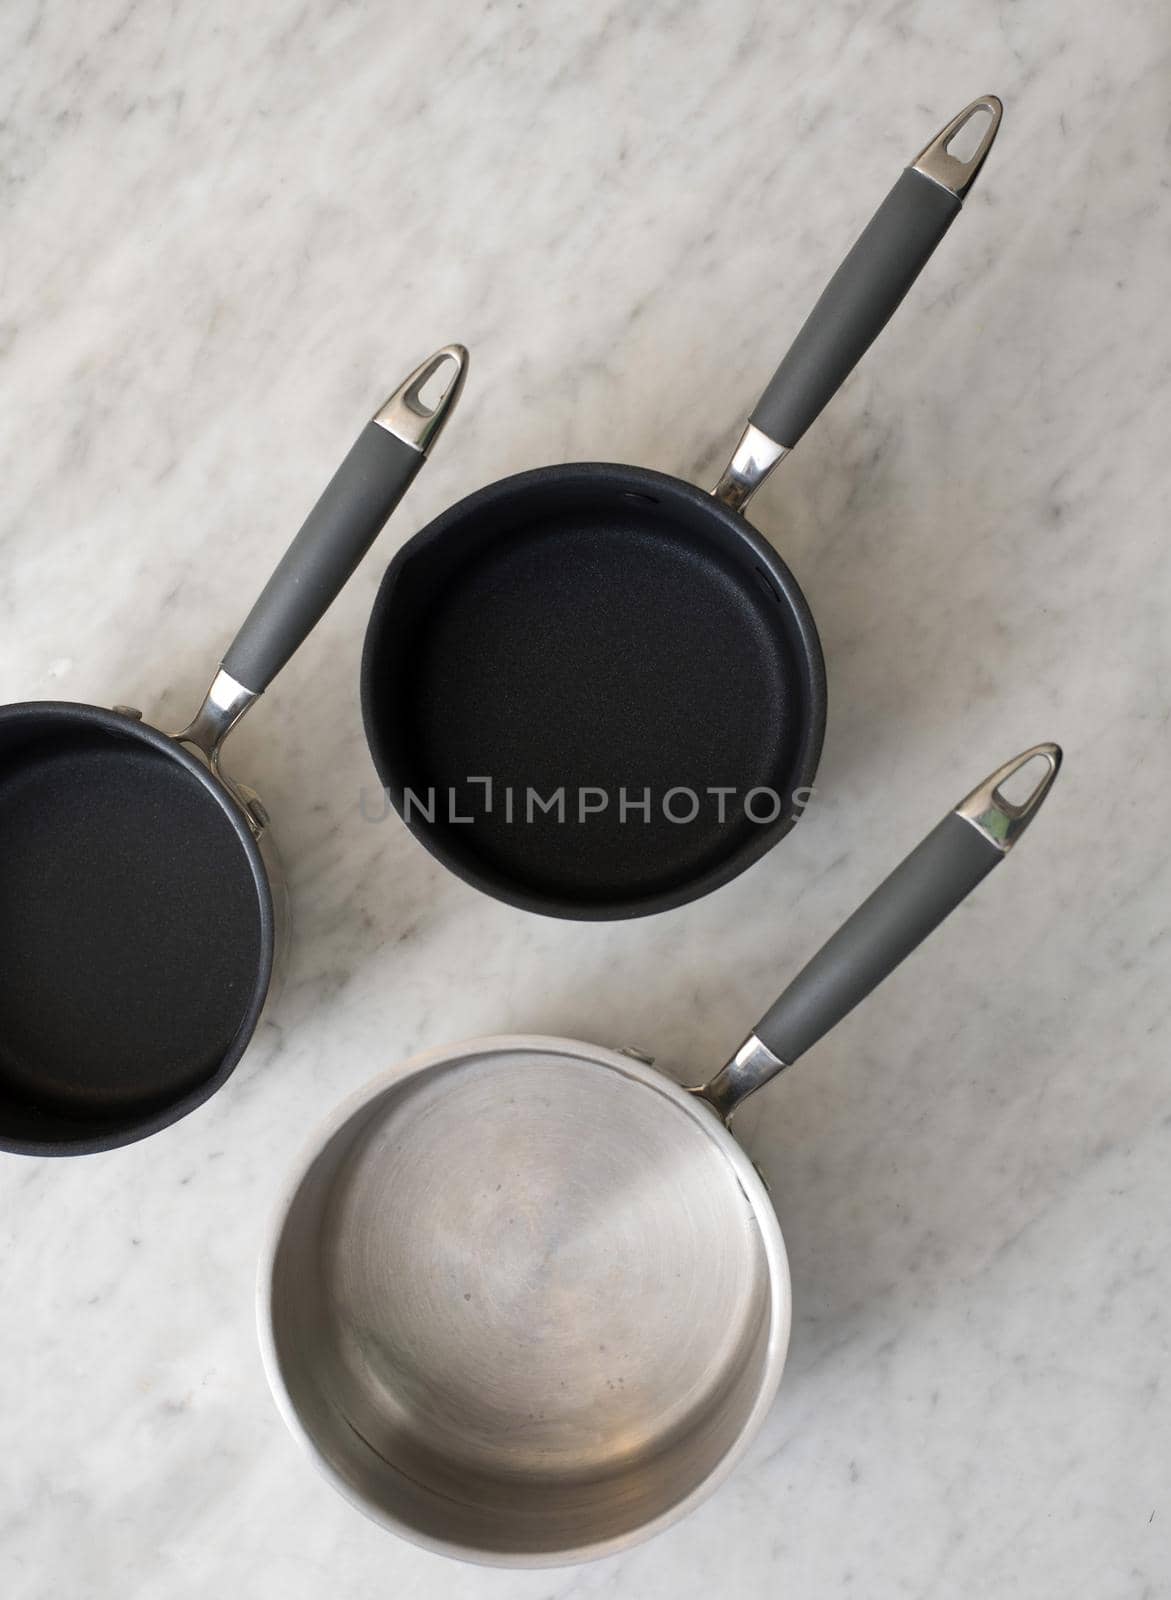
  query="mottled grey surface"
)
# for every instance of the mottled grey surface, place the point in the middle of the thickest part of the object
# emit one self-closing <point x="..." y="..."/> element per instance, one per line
<point x="229" y="230"/>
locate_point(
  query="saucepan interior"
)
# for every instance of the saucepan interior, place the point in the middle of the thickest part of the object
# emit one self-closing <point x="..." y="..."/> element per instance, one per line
<point x="612" y="637"/>
<point x="136" y="930"/>
<point x="526" y="1302"/>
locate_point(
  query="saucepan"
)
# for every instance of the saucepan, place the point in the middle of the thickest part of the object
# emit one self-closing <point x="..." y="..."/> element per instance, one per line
<point x="595" y="691"/>
<point x="526" y="1300"/>
<point x="140" y="892"/>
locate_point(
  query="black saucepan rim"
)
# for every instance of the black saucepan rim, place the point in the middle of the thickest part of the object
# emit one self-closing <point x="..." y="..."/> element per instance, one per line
<point x="114" y="1134"/>
<point x="632" y="479"/>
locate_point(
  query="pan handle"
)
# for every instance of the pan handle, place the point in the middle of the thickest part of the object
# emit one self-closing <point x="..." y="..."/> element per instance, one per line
<point x="333" y="539"/>
<point x="927" y="887"/>
<point x="859" y="300"/>
<point x="344" y="523"/>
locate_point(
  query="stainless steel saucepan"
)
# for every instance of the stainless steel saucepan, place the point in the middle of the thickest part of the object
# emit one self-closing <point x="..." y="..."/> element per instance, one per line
<point x="527" y="1301"/>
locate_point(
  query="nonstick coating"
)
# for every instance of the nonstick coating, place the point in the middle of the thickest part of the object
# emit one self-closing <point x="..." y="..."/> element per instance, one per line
<point x="527" y="1300"/>
<point x="593" y="627"/>
<point x="135" y="930"/>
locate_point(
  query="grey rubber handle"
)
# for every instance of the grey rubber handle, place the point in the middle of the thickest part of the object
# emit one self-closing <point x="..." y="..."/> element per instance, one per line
<point x="857" y="303"/>
<point x="902" y="911"/>
<point x="333" y="539"/>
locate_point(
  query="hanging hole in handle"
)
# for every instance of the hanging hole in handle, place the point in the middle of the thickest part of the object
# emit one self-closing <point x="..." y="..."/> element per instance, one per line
<point x="419" y="407"/>
<point x="968" y="137"/>
<point x="954" y="157"/>
<point x="1004" y="804"/>
<point x="1016" y="791"/>
<point x="426" y="394"/>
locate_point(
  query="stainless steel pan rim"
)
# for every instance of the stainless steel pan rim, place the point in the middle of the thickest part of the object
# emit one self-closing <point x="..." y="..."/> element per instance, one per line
<point x="748" y="1179"/>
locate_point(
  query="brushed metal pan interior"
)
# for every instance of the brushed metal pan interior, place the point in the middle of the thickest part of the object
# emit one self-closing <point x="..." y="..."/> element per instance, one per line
<point x="526" y="1301"/>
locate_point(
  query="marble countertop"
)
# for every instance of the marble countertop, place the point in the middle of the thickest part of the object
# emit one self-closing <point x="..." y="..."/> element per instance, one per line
<point x="229" y="230"/>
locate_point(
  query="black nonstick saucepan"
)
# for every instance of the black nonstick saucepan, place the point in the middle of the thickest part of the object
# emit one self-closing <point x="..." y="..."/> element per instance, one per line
<point x="138" y="918"/>
<point x="595" y="691"/>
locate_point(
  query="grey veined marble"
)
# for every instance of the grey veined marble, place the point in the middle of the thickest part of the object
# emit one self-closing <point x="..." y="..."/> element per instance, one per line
<point x="228" y="230"/>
